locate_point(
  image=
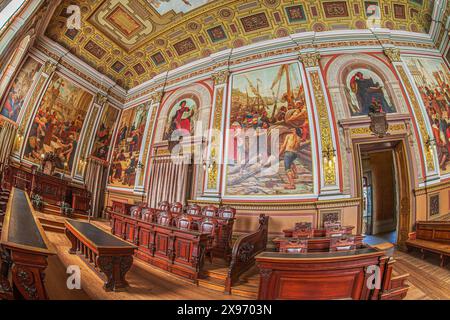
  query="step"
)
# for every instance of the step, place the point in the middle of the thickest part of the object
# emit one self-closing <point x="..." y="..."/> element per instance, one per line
<point x="52" y="228"/>
<point x="214" y="275"/>
<point x="46" y="221"/>
<point x="244" y="291"/>
<point x="213" y="284"/>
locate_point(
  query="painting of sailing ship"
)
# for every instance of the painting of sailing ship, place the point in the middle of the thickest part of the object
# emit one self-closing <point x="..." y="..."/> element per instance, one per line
<point x="432" y="78"/>
<point x="269" y="144"/>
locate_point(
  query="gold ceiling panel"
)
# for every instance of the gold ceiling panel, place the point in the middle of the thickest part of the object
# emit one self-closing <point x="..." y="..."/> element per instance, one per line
<point x="131" y="41"/>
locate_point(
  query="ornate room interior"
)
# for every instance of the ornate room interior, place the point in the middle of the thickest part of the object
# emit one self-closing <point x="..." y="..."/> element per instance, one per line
<point x="226" y="150"/>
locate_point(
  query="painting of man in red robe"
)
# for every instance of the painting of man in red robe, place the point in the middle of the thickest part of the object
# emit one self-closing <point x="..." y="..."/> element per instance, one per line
<point x="181" y="118"/>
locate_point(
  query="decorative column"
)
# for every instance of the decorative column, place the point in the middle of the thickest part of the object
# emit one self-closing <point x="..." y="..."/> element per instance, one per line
<point x="88" y="136"/>
<point x="214" y="155"/>
<point x="142" y="169"/>
<point x="47" y="71"/>
<point x="329" y="174"/>
<point x="419" y="112"/>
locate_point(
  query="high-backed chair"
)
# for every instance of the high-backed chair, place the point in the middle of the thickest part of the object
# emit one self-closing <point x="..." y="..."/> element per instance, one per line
<point x="296" y="246"/>
<point x="227" y="212"/>
<point x="345" y="243"/>
<point x="176" y="207"/>
<point x="184" y="222"/>
<point x="194" y="209"/>
<point x="208" y="226"/>
<point x="210" y="211"/>
<point x="164" y="218"/>
<point x="148" y="214"/>
<point x="303" y="230"/>
<point x="164" y="205"/>
<point x="135" y="212"/>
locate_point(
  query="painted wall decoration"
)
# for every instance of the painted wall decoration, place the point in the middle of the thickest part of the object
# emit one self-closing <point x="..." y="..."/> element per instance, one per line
<point x="365" y="93"/>
<point x="58" y="122"/>
<point x="182" y="117"/>
<point x="19" y="89"/>
<point x="104" y="133"/>
<point x="128" y="143"/>
<point x="433" y="81"/>
<point x="265" y="104"/>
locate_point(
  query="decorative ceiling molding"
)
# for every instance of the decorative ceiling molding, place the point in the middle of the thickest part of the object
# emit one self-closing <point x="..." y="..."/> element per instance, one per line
<point x="132" y="42"/>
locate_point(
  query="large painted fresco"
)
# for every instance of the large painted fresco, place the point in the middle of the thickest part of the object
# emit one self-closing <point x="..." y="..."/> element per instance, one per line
<point x="182" y="117"/>
<point x="269" y="143"/>
<point x="432" y="78"/>
<point x="366" y="92"/>
<point x="128" y="142"/>
<point x="19" y="89"/>
<point x="58" y="122"/>
<point x="104" y="133"/>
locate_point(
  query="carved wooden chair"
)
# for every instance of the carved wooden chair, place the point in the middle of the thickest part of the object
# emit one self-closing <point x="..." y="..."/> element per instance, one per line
<point x="135" y="212"/>
<point x="210" y="211"/>
<point x="164" y="218"/>
<point x="194" y="209"/>
<point x="297" y="246"/>
<point x="303" y="230"/>
<point x="148" y="214"/>
<point x="176" y="207"/>
<point x="184" y="222"/>
<point x="342" y="243"/>
<point x="227" y="212"/>
<point x="209" y="227"/>
<point x="164" y="205"/>
<point x="332" y="224"/>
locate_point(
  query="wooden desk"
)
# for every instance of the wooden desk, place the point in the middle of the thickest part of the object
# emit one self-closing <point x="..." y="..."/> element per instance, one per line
<point x="178" y="251"/>
<point x="318" y="232"/>
<point x="317" y="276"/>
<point x="111" y="255"/>
<point x="24" y="249"/>
<point x="320" y="244"/>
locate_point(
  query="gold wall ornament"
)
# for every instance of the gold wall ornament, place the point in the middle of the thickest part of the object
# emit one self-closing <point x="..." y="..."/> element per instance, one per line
<point x="393" y="54"/>
<point x="216" y="126"/>
<point x="429" y="157"/>
<point x="101" y="99"/>
<point x="310" y="60"/>
<point x="49" y="67"/>
<point x="324" y="124"/>
<point x="220" y="77"/>
<point x="156" y="96"/>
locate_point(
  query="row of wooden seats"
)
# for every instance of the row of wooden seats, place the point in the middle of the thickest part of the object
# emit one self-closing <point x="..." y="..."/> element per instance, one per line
<point x="305" y="230"/>
<point x="342" y="243"/>
<point x="4" y="198"/>
<point x="432" y="237"/>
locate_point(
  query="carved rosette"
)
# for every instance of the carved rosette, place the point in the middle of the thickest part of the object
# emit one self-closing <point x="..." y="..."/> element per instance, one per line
<point x="324" y="124"/>
<point x="310" y="60"/>
<point x="393" y="54"/>
<point x="429" y="157"/>
<point x="26" y="282"/>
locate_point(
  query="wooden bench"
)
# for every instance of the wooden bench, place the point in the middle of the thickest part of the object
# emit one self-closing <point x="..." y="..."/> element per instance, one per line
<point x="433" y="237"/>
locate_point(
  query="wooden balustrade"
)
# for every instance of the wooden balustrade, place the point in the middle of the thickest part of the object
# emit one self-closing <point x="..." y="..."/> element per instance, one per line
<point x="244" y="251"/>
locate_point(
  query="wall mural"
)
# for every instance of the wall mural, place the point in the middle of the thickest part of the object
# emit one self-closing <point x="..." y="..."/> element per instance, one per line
<point x="19" y="88"/>
<point x="264" y="103"/>
<point x="104" y="133"/>
<point x="126" y="149"/>
<point x="433" y="81"/>
<point x="366" y="92"/>
<point x="182" y="117"/>
<point x="57" y="125"/>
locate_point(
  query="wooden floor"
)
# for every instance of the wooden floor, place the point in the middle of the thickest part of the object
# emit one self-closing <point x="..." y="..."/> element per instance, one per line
<point x="146" y="282"/>
<point x="427" y="280"/>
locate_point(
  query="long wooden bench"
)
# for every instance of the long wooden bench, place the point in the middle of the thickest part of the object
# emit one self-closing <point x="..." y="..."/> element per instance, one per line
<point x="433" y="237"/>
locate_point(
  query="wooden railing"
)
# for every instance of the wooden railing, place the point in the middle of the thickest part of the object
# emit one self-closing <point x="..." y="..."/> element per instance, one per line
<point x="244" y="251"/>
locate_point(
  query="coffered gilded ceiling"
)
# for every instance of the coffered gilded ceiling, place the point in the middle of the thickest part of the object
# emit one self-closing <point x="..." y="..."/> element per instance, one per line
<point x="131" y="41"/>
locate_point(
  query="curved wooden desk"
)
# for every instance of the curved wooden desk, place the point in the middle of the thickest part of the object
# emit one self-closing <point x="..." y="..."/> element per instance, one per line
<point x="326" y="276"/>
<point x="113" y="256"/>
<point x="24" y="249"/>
